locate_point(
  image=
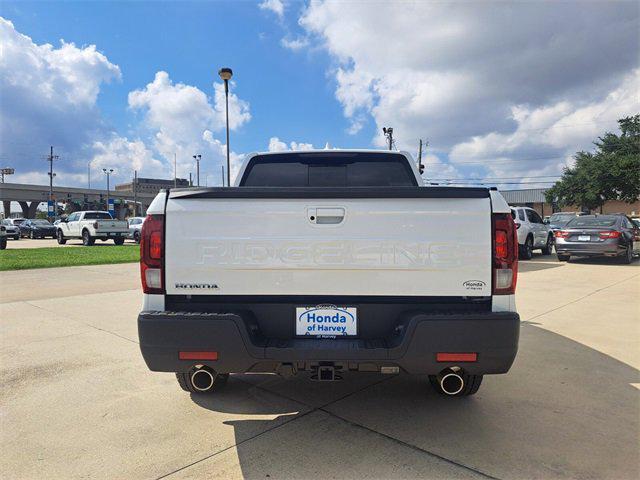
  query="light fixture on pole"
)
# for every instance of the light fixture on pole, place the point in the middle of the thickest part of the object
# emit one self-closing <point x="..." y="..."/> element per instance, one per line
<point x="225" y="75"/>
<point x="197" y="158"/>
<point x="107" y="173"/>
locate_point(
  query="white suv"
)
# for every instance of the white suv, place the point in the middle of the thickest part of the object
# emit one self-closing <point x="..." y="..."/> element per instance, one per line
<point x="532" y="232"/>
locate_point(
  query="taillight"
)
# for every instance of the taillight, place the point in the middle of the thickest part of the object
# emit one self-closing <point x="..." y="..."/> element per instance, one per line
<point x="562" y="234"/>
<point x="505" y="254"/>
<point x="609" y="234"/>
<point x="152" y="254"/>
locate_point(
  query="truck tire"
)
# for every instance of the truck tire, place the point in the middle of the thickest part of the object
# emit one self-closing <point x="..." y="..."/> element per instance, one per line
<point x="87" y="239"/>
<point x="118" y="241"/>
<point x="60" y="237"/>
<point x="16" y="236"/>
<point x="3" y="243"/>
<point x="526" y="250"/>
<point x="563" y="258"/>
<point x="548" y="247"/>
<point x="471" y="385"/>
<point x="184" y="380"/>
<point x="136" y="237"/>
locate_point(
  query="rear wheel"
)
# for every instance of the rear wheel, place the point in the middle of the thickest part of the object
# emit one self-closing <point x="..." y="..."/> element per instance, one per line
<point x="61" y="239"/>
<point x="526" y="250"/>
<point x="548" y="247"/>
<point x="470" y="387"/>
<point x="627" y="258"/>
<point x="87" y="239"/>
<point x="3" y="243"/>
<point x="563" y="258"/>
<point x="201" y="380"/>
<point x="118" y="241"/>
<point x="136" y="237"/>
<point x="16" y="236"/>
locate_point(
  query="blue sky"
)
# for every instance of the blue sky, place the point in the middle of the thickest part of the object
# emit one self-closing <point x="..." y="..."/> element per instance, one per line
<point x="503" y="92"/>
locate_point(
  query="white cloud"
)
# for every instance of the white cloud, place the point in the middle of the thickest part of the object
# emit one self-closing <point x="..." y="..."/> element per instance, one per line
<point x="275" y="6"/>
<point x="49" y="98"/>
<point x="125" y="156"/>
<point x="547" y="137"/>
<point x="454" y="72"/>
<point x="276" y="145"/>
<point x="295" y="44"/>
<point x="181" y="120"/>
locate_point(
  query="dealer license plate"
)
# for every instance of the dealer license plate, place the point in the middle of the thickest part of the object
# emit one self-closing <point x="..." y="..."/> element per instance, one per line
<point x="326" y="321"/>
<point x="584" y="238"/>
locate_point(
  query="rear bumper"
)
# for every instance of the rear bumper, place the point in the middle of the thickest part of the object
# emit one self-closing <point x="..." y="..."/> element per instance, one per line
<point x="493" y="336"/>
<point x="609" y="247"/>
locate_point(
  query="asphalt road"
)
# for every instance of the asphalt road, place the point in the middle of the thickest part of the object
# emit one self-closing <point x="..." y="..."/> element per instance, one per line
<point x="78" y="402"/>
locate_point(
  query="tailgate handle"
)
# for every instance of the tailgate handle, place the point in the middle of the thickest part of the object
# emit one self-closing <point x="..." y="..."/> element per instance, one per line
<point x="326" y="216"/>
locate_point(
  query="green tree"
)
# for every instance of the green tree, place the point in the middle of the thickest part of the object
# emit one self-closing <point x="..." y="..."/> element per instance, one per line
<point x="612" y="172"/>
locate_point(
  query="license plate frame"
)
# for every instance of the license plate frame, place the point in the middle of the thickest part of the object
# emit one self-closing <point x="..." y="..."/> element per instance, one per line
<point x="326" y="321"/>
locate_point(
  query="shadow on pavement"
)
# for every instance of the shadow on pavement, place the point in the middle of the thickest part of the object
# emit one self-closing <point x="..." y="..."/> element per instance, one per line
<point x="564" y="411"/>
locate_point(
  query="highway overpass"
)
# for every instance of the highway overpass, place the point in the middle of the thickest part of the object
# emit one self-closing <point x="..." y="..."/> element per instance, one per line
<point x="30" y="196"/>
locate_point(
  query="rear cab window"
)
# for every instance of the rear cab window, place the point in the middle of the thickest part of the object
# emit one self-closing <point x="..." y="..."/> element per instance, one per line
<point x="320" y="169"/>
<point x="584" y="221"/>
<point x="97" y="216"/>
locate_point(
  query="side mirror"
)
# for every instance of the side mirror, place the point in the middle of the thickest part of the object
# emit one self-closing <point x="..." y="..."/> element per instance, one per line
<point x="545" y="221"/>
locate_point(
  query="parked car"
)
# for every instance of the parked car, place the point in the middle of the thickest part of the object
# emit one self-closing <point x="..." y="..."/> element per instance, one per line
<point x="3" y="237"/>
<point x="560" y="219"/>
<point x="636" y="221"/>
<point x="598" y="235"/>
<point x="135" y="226"/>
<point x="533" y="234"/>
<point x="37" y="229"/>
<point x="326" y="262"/>
<point x="11" y="230"/>
<point x="92" y="225"/>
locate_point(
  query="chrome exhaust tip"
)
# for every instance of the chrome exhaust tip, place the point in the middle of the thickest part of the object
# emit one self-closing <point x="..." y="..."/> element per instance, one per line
<point x="202" y="379"/>
<point x="451" y="381"/>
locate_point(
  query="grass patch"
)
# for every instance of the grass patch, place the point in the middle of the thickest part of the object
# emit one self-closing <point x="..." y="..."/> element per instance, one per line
<point x="49" y="257"/>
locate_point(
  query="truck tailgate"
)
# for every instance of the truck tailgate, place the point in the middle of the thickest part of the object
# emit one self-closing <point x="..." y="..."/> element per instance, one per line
<point x="112" y="226"/>
<point x="240" y="242"/>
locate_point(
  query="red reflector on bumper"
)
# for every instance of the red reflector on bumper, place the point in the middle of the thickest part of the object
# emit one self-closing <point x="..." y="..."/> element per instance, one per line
<point x="198" y="355"/>
<point x="456" y="357"/>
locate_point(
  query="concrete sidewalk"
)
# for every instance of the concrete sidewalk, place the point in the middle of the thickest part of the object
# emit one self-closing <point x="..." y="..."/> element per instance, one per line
<point x="77" y="400"/>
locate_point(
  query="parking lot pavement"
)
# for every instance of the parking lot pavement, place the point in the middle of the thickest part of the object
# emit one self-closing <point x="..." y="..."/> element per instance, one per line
<point x="52" y="242"/>
<point x="77" y="400"/>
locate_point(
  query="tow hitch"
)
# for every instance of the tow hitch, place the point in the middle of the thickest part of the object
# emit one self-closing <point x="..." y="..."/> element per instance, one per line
<point x="326" y="373"/>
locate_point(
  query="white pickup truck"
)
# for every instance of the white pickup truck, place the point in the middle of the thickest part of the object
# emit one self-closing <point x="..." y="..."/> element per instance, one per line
<point x="90" y="226"/>
<point x="327" y="262"/>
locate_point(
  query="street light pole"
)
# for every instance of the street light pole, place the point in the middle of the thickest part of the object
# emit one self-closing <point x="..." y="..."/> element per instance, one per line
<point x="107" y="173"/>
<point x="197" y="158"/>
<point x="226" y="74"/>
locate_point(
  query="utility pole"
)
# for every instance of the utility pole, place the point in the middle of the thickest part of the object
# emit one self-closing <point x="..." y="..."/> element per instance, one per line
<point x="135" y="193"/>
<point x="420" y="165"/>
<point x="222" y="171"/>
<point x="388" y="132"/>
<point x="190" y="180"/>
<point x="197" y="158"/>
<point x="108" y="174"/>
<point x="50" y="158"/>
<point x="175" y="172"/>
<point x="89" y="174"/>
